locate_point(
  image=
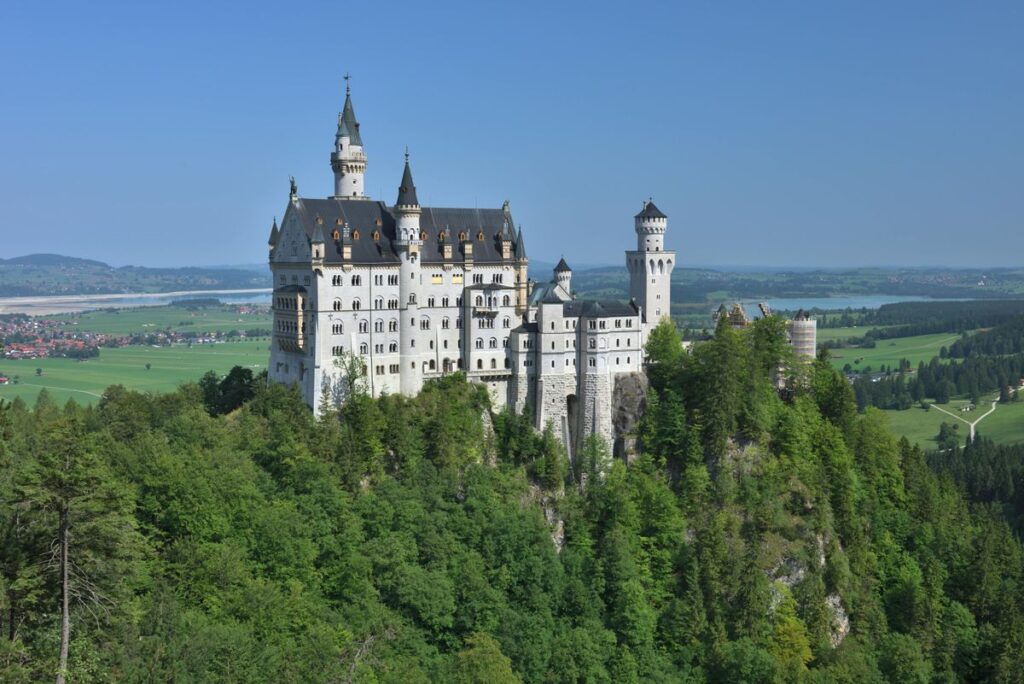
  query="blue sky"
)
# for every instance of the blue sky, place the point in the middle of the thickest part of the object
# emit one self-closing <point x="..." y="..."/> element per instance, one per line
<point x="812" y="134"/>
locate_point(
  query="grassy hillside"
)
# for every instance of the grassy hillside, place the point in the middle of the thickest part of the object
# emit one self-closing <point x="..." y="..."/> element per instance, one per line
<point x="169" y="367"/>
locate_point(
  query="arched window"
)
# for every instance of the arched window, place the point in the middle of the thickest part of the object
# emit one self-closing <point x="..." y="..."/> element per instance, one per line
<point x="493" y="343"/>
<point x="505" y="301"/>
<point x="335" y="235"/>
<point x="378" y="303"/>
<point x="479" y="364"/>
<point x="506" y="322"/>
<point x="393" y="347"/>
<point x="432" y="365"/>
<point x="337" y="305"/>
<point x="479" y="300"/>
<point x="357" y="280"/>
<point x="479" y="344"/>
<point x="494" y="363"/>
<point x="378" y="326"/>
<point x="462" y="236"/>
<point x="356" y="305"/>
<point x="661" y="267"/>
<point x="445" y="323"/>
<point x="393" y="325"/>
<point x="364" y="348"/>
<point x="338" y="328"/>
<point x="364" y="326"/>
<point x="355" y="234"/>
<point x="423" y="235"/>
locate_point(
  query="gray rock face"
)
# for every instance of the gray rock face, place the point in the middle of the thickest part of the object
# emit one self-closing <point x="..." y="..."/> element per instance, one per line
<point x="629" y="400"/>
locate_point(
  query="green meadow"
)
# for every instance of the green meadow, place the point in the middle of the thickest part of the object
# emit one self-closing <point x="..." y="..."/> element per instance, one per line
<point x="169" y="367"/>
<point x="153" y="318"/>
<point x="889" y="352"/>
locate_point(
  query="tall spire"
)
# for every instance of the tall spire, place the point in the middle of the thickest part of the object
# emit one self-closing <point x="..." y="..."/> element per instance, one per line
<point x="407" y="190"/>
<point x="520" y="252"/>
<point x="347" y="124"/>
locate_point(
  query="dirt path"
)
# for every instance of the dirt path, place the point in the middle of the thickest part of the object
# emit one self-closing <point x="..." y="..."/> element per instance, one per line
<point x="980" y="418"/>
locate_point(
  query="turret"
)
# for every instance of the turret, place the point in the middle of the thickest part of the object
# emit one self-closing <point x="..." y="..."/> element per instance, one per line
<point x="650" y="266"/>
<point x="348" y="160"/>
<point x="650" y="225"/>
<point x="522" y="284"/>
<point x="563" y="276"/>
<point x="275" y="233"/>
<point x="407" y="211"/>
<point x="407" y="208"/>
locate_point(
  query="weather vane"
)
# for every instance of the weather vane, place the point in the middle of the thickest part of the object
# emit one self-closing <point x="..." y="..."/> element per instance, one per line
<point x="347" y="84"/>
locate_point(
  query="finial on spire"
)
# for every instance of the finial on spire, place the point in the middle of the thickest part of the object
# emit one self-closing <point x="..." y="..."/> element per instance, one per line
<point x="348" y="88"/>
<point x="406" y="154"/>
<point x="294" y="190"/>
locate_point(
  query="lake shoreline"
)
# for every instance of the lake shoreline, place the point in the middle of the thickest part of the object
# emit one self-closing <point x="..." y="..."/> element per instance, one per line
<point x="57" y="304"/>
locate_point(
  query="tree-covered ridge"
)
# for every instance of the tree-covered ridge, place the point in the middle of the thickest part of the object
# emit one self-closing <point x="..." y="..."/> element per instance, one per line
<point x="1006" y="338"/>
<point x="762" y="535"/>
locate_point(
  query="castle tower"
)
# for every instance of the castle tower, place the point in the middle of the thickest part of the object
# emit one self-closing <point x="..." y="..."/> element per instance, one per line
<point x="407" y="211"/>
<point x="522" y="262"/>
<point x="650" y="266"/>
<point x="563" y="276"/>
<point x="348" y="160"/>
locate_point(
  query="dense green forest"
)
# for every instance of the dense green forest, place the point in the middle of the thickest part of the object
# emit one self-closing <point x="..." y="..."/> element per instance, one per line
<point x="222" y="534"/>
<point x="940" y="381"/>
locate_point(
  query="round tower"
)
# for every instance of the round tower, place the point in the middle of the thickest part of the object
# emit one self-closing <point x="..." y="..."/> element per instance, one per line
<point x="650" y="266"/>
<point x="348" y="160"/>
<point x="650" y="225"/>
<point x="407" y="213"/>
<point x="563" y="276"/>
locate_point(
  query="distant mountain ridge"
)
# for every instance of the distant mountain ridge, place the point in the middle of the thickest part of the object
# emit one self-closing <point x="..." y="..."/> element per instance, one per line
<point x="52" y="260"/>
<point x="56" y="274"/>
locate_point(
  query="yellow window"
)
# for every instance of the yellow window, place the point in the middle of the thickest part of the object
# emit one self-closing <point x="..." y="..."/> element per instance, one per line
<point x="436" y="279"/>
<point x="456" y="279"/>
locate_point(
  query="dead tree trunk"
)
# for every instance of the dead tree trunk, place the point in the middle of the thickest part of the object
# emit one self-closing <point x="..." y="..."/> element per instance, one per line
<point x="65" y="616"/>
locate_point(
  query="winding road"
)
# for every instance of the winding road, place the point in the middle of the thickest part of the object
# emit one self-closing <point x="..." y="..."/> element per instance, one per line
<point x="980" y="418"/>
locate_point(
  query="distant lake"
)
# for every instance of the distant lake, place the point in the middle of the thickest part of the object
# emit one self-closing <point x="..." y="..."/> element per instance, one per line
<point x="854" y="302"/>
<point x="43" y="306"/>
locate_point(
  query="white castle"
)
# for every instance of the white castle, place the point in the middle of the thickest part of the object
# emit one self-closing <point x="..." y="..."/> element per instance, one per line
<point x="417" y="292"/>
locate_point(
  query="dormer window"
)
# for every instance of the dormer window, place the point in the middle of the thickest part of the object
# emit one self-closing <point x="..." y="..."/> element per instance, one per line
<point x="462" y="236"/>
<point x="319" y="221"/>
<point x="378" y="221"/>
<point x="376" y="236"/>
<point x="480" y="235"/>
<point x="423" y="235"/>
<point x="336" y="235"/>
<point x="355" y="234"/>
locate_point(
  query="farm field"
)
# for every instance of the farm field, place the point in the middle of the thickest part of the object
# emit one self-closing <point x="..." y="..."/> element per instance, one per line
<point x="845" y="333"/>
<point x="1006" y="425"/>
<point x="922" y="427"/>
<point x="153" y="318"/>
<point x="889" y="352"/>
<point x="170" y="366"/>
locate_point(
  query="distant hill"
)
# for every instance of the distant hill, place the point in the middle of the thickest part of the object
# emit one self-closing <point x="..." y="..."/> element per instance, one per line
<point x="52" y="260"/>
<point x="55" y="274"/>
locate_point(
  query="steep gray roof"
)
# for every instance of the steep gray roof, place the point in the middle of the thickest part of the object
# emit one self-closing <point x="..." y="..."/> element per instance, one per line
<point x="347" y="124"/>
<point x="318" y="233"/>
<point x="650" y="211"/>
<point x="520" y="252"/>
<point x="274" y="234"/>
<point x="579" y="308"/>
<point x="562" y="267"/>
<point x="407" y="190"/>
<point x="363" y="217"/>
